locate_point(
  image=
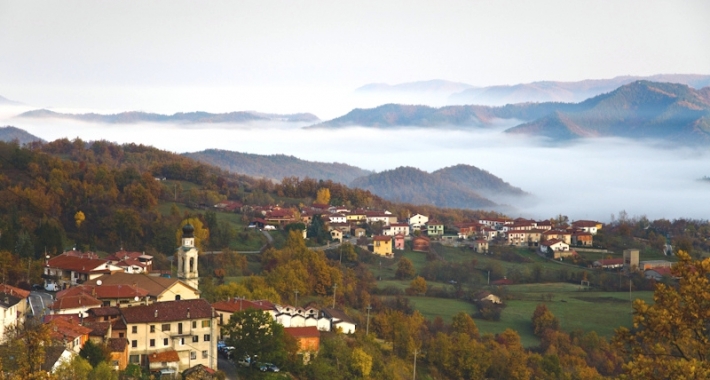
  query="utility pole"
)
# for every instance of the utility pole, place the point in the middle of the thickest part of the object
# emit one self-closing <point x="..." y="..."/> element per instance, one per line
<point x="296" y="292"/>
<point x="489" y="277"/>
<point x="367" y="329"/>
<point x="414" y="372"/>
<point x="334" y="289"/>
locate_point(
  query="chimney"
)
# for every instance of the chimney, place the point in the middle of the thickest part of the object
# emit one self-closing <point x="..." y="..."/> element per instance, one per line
<point x="156" y="313"/>
<point x="188" y="313"/>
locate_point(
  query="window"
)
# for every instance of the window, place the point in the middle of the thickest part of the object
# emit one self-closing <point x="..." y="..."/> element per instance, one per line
<point x="193" y="355"/>
<point x="165" y="342"/>
<point x="194" y="324"/>
<point x="195" y="339"/>
<point x="134" y="330"/>
<point x="120" y="335"/>
<point x="182" y="341"/>
<point x="135" y="359"/>
<point x="205" y="355"/>
<point x="152" y="342"/>
<point x="134" y="343"/>
<point x="165" y="327"/>
<point x="152" y="328"/>
<point x="206" y="337"/>
<point x="206" y="323"/>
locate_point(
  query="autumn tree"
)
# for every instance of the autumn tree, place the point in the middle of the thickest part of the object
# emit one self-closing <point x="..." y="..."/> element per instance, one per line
<point x="671" y="337"/>
<point x="543" y="319"/>
<point x="323" y="196"/>
<point x="418" y="285"/>
<point x="405" y="269"/>
<point x="201" y="233"/>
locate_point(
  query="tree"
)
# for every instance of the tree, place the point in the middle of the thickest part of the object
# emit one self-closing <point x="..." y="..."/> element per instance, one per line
<point x="75" y="369"/>
<point x="95" y="353"/>
<point x="405" y="269"/>
<point x="254" y="333"/>
<point x="323" y="196"/>
<point x="543" y="320"/>
<point x="418" y="285"/>
<point x="670" y="339"/>
<point x="79" y="218"/>
<point x="462" y="323"/>
<point x="103" y="371"/>
<point x="201" y="233"/>
<point x="361" y="362"/>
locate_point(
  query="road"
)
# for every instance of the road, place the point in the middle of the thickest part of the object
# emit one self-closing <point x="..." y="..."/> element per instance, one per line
<point x="40" y="302"/>
<point x="228" y="367"/>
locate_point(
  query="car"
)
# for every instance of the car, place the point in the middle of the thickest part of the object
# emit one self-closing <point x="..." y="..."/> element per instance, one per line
<point x="263" y="367"/>
<point x="245" y="361"/>
<point x="37" y="287"/>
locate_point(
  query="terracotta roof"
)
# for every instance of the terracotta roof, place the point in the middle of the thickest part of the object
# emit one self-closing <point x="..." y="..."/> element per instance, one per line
<point x="104" y="291"/>
<point x="399" y="225"/>
<point x="381" y="238"/>
<point x="98" y="328"/>
<point x="610" y="261"/>
<point x="233" y="305"/>
<point x="105" y="311"/>
<point x="585" y="223"/>
<point x="69" y="317"/>
<point x="13" y="291"/>
<point x="551" y="242"/>
<point x="117" y="344"/>
<point x="155" y="285"/>
<point x="119" y="325"/>
<point x="165" y="356"/>
<point x="61" y="328"/>
<point x="76" y="264"/>
<point x="663" y="271"/>
<point x="338" y="314"/>
<point x="74" y="302"/>
<point x="122" y="255"/>
<point x="302" y="332"/>
<point x="168" y="311"/>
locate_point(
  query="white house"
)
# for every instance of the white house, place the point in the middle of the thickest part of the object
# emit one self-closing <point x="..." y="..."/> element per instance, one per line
<point x="339" y="320"/>
<point x="396" y="228"/>
<point x="337" y="218"/>
<point x="13" y="307"/>
<point x="418" y="220"/>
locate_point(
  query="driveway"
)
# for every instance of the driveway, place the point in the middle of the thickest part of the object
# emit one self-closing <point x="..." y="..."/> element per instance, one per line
<point x="40" y="302"/>
<point x="228" y="367"/>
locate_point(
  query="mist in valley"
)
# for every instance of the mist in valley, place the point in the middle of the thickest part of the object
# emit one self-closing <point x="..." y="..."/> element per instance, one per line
<point x="585" y="179"/>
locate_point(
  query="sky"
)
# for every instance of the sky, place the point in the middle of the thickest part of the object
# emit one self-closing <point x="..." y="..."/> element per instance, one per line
<point x="307" y="56"/>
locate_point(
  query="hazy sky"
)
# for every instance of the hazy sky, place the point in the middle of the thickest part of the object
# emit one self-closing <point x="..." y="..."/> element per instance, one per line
<point x="234" y="55"/>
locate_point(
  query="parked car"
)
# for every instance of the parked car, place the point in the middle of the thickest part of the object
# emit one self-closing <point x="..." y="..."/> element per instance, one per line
<point x="245" y="361"/>
<point x="269" y="228"/>
<point x="263" y="367"/>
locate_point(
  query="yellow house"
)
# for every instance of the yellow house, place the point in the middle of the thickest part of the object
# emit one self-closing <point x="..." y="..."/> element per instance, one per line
<point x="382" y="245"/>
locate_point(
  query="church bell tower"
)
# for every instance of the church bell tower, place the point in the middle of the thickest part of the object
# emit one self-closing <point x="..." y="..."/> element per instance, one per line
<point x="187" y="257"/>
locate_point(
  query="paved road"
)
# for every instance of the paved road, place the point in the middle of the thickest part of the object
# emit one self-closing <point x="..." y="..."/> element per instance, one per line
<point x="228" y="367"/>
<point x="40" y="302"/>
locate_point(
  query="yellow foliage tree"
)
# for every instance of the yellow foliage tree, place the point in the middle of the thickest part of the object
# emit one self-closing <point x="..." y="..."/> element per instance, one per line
<point x="202" y="234"/>
<point x="671" y="337"/>
<point x="418" y="285"/>
<point x="79" y="218"/>
<point x="323" y="196"/>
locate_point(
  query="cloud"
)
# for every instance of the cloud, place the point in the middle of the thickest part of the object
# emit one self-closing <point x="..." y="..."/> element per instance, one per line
<point x="588" y="179"/>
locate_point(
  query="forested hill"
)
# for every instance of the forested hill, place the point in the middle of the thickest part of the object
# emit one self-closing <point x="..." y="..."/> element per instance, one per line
<point x="10" y="133"/>
<point x="277" y="166"/>
<point x="180" y="117"/>
<point x="480" y="181"/>
<point x="441" y="189"/>
<point x="672" y="112"/>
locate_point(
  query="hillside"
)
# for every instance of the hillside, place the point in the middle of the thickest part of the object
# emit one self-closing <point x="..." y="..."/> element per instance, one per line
<point x="277" y="166"/>
<point x="555" y="91"/>
<point x="180" y="117"/>
<point x="642" y="109"/>
<point x="23" y="137"/>
<point x="441" y="189"/>
<point x="6" y="101"/>
<point x="480" y="181"/>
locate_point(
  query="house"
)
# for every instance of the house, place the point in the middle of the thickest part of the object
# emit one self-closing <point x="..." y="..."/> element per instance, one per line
<point x="257" y="223"/>
<point x="421" y="244"/>
<point x="654" y="264"/>
<point x="73" y="268"/>
<point x="200" y="372"/>
<point x="339" y="321"/>
<point x="132" y="262"/>
<point x="485" y="296"/>
<point x="518" y="238"/>
<point x="587" y="226"/>
<point x="359" y="232"/>
<point x="337" y="218"/>
<point x="489" y="233"/>
<point x="580" y="238"/>
<point x="188" y="327"/>
<point x="70" y="332"/>
<point x="480" y="246"/>
<point x="658" y="273"/>
<point x="225" y="309"/>
<point x="336" y="235"/>
<point x="118" y="348"/>
<point x="609" y="263"/>
<point x="382" y="245"/>
<point x="54" y="357"/>
<point x="109" y="294"/>
<point x="396" y="228"/>
<point x="308" y="339"/>
<point x="280" y="216"/>
<point x="434" y="228"/>
<point x="14" y="306"/>
<point x="399" y="242"/>
<point x="159" y="289"/>
<point x="468" y="229"/>
<point x="169" y="359"/>
<point x="417" y="221"/>
<point x="77" y="304"/>
<point x="378" y="216"/>
<point x="355" y="216"/>
<point x="565" y="236"/>
<point x="558" y="247"/>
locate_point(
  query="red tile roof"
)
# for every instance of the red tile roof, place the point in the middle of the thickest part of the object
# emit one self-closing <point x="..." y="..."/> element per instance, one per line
<point x="61" y="328"/>
<point x="381" y="238"/>
<point x="168" y="311"/>
<point x="155" y="285"/>
<point x="13" y="291"/>
<point x="233" y="305"/>
<point x="117" y="344"/>
<point x="74" y="302"/>
<point x="302" y="332"/>
<point x="163" y="357"/>
<point x="105" y="291"/>
<point x="76" y="264"/>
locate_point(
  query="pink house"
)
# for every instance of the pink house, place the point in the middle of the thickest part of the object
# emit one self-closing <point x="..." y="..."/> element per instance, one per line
<point x="399" y="241"/>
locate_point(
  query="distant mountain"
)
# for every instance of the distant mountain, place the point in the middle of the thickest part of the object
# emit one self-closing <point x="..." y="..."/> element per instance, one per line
<point x="9" y="134"/>
<point x="551" y="91"/>
<point x="6" y="101"/>
<point x="277" y="166"/>
<point x="180" y="117"/>
<point x="441" y="189"/>
<point x="436" y="85"/>
<point x="397" y="115"/>
<point x="642" y="109"/>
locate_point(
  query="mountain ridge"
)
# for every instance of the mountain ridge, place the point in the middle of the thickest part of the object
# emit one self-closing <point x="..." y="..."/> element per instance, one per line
<point x="9" y="133"/>
<point x="130" y="117"/>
